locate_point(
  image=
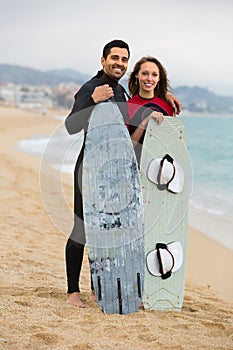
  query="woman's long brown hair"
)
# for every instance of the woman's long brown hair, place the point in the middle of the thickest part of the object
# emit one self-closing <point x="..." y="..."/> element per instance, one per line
<point x="163" y="86"/>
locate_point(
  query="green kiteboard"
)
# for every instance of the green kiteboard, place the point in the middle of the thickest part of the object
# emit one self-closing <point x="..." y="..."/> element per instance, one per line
<point x="165" y="178"/>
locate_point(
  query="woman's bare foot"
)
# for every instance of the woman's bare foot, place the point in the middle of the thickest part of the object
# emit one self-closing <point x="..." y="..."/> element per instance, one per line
<point x="74" y="300"/>
<point x="92" y="296"/>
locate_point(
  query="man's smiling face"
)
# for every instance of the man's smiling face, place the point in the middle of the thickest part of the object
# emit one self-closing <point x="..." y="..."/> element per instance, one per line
<point x="116" y="63"/>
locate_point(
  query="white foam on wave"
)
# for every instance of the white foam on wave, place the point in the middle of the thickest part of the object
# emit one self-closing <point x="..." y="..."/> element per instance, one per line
<point x="211" y="213"/>
<point x="202" y="207"/>
<point x="216" y="227"/>
<point x="59" y="117"/>
<point x="65" y="168"/>
<point x="212" y="200"/>
<point x="33" y="145"/>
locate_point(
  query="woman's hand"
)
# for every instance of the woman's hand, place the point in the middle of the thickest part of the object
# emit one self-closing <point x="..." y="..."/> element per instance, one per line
<point x="136" y="136"/>
<point x="158" y="116"/>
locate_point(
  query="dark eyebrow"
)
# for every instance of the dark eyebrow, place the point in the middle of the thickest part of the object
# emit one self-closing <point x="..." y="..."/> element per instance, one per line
<point x="146" y="71"/>
<point x="124" y="58"/>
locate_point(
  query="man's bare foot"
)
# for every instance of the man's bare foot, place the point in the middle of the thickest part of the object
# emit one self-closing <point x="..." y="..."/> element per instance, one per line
<point x="141" y="306"/>
<point x="74" y="300"/>
<point x="92" y="296"/>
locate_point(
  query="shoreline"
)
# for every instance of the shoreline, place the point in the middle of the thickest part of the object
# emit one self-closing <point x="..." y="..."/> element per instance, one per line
<point x="33" y="271"/>
<point x="215" y="227"/>
<point x="199" y="226"/>
<point x="203" y="220"/>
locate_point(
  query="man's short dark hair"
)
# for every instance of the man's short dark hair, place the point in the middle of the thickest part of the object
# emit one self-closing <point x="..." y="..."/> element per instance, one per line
<point x="114" y="43"/>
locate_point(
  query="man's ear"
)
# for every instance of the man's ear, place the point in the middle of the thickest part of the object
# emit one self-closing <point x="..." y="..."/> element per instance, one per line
<point x="102" y="61"/>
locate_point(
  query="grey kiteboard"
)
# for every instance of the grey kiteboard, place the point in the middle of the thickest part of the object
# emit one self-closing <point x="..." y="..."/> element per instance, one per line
<point x="113" y="212"/>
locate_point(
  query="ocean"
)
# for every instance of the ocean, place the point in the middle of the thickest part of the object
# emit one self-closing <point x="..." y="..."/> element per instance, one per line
<point x="210" y="147"/>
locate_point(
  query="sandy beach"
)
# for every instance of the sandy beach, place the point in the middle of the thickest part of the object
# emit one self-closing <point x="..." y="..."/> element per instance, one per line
<point x="34" y="312"/>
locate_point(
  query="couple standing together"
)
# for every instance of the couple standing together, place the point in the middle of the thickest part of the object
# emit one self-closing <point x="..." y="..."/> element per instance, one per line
<point x="148" y="88"/>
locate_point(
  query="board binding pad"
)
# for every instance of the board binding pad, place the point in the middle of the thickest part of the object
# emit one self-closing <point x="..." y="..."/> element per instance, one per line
<point x="166" y="216"/>
<point x="113" y="212"/>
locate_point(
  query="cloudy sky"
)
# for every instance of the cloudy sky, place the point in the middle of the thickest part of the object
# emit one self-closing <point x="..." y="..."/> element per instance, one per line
<point x="192" y="38"/>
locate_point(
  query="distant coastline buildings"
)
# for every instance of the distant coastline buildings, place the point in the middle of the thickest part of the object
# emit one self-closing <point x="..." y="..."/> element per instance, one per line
<point x="37" y="97"/>
<point x="194" y="100"/>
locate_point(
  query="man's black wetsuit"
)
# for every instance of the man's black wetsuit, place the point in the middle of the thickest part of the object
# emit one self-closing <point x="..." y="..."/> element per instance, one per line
<point x="75" y="122"/>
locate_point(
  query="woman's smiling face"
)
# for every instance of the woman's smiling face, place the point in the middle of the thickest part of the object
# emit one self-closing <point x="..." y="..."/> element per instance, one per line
<point x="148" y="78"/>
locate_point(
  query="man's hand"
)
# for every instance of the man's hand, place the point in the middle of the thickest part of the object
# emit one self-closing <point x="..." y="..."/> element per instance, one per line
<point x="102" y="93"/>
<point x="175" y="102"/>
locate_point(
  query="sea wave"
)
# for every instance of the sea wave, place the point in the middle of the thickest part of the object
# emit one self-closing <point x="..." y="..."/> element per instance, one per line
<point x="34" y="145"/>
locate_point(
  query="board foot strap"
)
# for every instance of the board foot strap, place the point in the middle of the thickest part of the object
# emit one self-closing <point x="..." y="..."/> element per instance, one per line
<point x="165" y="259"/>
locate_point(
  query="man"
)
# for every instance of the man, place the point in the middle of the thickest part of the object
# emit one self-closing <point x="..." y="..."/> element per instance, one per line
<point x="100" y="88"/>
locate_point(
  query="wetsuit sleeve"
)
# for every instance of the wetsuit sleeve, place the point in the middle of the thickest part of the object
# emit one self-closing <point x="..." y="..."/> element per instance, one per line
<point x="81" y="110"/>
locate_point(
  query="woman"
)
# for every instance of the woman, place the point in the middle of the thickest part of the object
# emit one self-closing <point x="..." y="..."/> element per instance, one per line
<point x="148" y="85"/>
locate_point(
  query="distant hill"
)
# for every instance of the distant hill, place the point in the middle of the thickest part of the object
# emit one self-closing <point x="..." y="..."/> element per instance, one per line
<point x="69" y="74"/>
<point x="29" y="76"/>
<point x="196" y="99"/>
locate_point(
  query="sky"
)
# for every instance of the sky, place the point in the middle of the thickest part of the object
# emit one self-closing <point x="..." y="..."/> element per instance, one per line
<point x="191" y="38"/>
